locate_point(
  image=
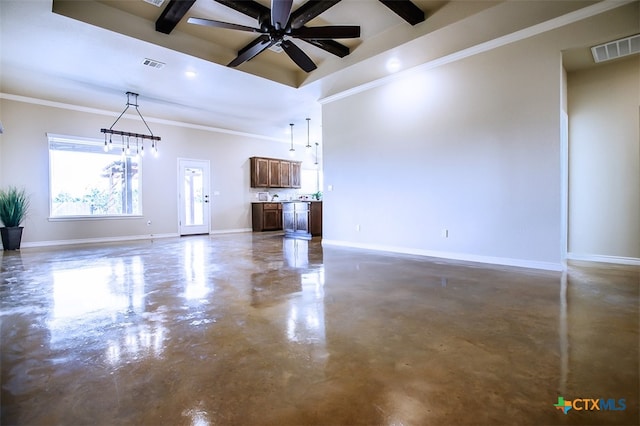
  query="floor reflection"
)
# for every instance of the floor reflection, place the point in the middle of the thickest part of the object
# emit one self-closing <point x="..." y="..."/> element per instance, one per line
<point x="305" y="322"/>
<point x="195" y="270"/>
<point x="104" y="288"/>
<point x="296" y="252"/>
<point x="197" y="416"/>
<point x="144" y="340"/>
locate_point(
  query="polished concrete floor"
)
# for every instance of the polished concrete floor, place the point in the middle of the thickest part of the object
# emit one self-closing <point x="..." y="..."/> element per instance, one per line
<point x="251" y="329"/>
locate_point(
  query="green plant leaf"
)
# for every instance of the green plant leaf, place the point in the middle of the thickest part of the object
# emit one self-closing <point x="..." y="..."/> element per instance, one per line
<point x="14" y="205"/>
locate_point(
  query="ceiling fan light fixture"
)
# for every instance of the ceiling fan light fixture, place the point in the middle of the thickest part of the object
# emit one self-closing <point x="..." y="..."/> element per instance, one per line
<point x="276" y="48"/>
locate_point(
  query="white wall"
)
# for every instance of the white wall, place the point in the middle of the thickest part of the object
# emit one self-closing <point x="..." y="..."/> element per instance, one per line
<point x="471" y="147"/>
<point x="604" y="137"/>
<point x="24" y="162"/>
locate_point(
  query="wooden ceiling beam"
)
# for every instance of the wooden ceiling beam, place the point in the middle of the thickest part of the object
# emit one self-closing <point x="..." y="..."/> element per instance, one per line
<point x="249" y="8"/>
<point x="309" y="10"/>
<point x="172" y="14"/>
<point x="406" y="10"/>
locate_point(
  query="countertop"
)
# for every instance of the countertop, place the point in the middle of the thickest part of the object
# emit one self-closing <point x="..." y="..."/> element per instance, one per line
<point x="287" y="201"/>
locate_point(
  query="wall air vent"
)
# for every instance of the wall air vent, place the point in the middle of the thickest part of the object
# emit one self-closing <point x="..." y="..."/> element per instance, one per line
<point x="616" y="49"/>
<point x="155" y="2"/>
<point x="153" y="63"/>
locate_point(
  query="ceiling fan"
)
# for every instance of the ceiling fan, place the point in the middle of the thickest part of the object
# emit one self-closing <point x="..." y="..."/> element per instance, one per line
<point x="280" y="24"/>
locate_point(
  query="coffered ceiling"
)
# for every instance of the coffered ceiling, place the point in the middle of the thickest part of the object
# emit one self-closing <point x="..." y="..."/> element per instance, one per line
<point x="91" y="52"/>
<point x="138" y="19"/>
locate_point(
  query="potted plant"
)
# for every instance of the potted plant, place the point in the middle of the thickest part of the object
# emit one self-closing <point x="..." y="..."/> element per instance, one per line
<point x="14" y="205"/>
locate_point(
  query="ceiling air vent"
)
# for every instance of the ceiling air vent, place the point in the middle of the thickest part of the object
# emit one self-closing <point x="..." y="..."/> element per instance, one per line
<point x="616" y="49"/>
<point x="155" y="2"/>
<point x="153" y="63"/>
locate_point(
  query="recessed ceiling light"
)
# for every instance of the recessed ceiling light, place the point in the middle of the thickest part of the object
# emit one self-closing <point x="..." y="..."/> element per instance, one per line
<point x="393" y="65"/>
<point x="190" y="74"/>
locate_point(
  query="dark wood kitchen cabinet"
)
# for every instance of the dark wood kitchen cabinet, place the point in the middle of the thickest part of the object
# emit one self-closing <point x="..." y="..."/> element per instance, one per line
<point x="315" y="218"/>
<point x="274" y="173"/>
<point x="259" y="172"/>
<point x="285" y="174"/>
<point x="266" y="216"/>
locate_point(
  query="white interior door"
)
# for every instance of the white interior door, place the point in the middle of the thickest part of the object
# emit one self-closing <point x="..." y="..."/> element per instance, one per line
<point x="193" y="196"/>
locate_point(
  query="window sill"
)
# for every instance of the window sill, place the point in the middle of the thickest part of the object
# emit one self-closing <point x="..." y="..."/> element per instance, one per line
<point x="91" y="217"/>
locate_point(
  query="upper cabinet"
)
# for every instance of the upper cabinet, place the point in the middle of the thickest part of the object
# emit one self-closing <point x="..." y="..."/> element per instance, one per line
<point x="274" y="173"/>
<point x="285" y="174"/>
<point x="259" y="172"/>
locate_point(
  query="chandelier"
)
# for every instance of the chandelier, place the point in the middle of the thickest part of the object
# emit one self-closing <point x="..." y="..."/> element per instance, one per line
<point x="130" y="141"/>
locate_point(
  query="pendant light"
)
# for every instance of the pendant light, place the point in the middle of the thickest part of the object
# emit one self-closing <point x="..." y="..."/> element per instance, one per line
<point x="126" y="143"/>
<point x="308" y="144"/>
<point x="292" y="151"/>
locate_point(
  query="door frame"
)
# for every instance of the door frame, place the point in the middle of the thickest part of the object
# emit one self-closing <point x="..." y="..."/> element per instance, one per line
<point x="206" y="165"/>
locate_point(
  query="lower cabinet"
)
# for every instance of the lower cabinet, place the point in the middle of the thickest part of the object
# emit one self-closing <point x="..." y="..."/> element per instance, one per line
<point x="298" y="218"/>
<point x="315" y="218"/>
<point x="266" y="216"/>
<point x="295" y="219"/>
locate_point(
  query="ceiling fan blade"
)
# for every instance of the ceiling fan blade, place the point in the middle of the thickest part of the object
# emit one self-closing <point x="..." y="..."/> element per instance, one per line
<point x="326" y="33"/>
<point x="330" y="46"/>
<point x="219" y="24"/>
<point x="247" y="7"/>
<point x="280" y="11"/>
<point x="298" y="56"/>
<point x="251" y="50"/>
<point x="309" y="10"/>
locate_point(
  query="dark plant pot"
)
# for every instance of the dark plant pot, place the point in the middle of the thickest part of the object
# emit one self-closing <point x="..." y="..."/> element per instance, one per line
<point x="11" y="237"/>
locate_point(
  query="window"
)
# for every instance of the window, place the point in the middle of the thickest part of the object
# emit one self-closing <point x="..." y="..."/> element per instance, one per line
<point x="310" y="181"/>
<point x="87" y="181"/>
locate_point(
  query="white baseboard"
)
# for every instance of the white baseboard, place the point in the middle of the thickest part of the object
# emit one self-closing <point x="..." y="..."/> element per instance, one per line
<point x="604" y="259"/>
<point x="504" y="261"/>
<point x="120" y="238"/>
<point x="230" y="231"/>
<point x="96" y="240"/>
